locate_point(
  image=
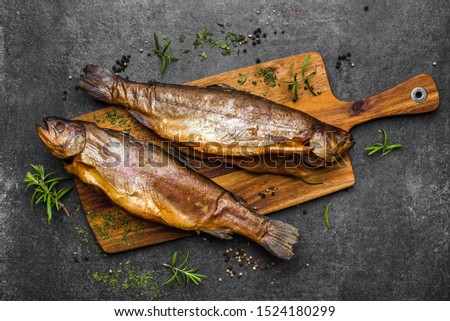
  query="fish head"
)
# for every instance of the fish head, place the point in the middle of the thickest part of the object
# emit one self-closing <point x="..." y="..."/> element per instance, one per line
<point x="63" y="138"/>
<point x="331" y="143"/>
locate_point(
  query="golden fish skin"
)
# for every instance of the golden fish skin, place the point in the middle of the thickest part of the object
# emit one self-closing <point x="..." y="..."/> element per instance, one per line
<point x="148" y="182"/>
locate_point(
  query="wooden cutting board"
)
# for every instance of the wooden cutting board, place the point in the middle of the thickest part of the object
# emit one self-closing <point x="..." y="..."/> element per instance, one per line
<point x="117" y="231"/>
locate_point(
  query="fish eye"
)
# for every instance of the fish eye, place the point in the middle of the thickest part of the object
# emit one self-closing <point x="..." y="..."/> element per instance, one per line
<point x="60" y="127"/>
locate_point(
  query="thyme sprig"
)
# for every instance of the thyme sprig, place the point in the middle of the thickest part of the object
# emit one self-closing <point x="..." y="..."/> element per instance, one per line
<point x="187" y="274"/>
<point x="45" y="190"/>
<point x="163" y="53"/>
<point x="383" y="147"/>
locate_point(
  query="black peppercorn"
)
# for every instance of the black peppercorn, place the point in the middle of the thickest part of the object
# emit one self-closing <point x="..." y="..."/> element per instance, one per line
<point x="264" y="35"/>
<point x="366" y="8"/>
<point x="244" y="50"/>
<point x="258" y="30"/>
<point x="258" y="60"/>
<point x="254" y="43"/>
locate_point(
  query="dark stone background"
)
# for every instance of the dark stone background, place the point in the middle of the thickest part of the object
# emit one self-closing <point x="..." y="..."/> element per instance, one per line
<point x="390" y="232"/>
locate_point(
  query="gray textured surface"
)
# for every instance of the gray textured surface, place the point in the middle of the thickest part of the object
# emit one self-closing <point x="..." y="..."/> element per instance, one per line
<point x="390" y="232"/>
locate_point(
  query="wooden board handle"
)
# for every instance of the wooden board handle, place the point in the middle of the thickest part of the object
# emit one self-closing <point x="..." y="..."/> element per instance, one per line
<point x="395" y="101"/>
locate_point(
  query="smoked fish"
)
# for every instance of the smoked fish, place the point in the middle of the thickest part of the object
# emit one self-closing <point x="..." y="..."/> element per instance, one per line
<point x="151" y="183"/>
<point x="219" y="120"/>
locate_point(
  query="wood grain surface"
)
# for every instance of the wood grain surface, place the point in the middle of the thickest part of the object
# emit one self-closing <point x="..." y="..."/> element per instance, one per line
<point x="118" y="231"/>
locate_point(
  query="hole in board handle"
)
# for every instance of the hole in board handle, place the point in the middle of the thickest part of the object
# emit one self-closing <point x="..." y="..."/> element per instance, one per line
<point x="419" y="94"/>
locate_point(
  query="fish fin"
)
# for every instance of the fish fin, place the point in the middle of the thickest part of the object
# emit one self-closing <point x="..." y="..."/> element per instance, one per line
<point x="224" y="234"/>
<point x="280" y="239"/>
<point x="98" y="82"/>
<point x="220" y="86"/>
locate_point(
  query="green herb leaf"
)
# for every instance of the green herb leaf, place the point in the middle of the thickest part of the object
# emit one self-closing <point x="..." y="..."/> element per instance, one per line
<point x="243" y="79"/>
<point x="304" y="65"/>
<point x="383" y="147"/>
<point x="325" y="217"/>
<point x="384" y="137"/>
<point x="174" y="258"/>
<point x="309" y="87"/>
<point x="155" y="38"/>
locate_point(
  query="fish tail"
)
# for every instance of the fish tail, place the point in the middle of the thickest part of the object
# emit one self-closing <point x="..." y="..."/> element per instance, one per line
<point x="99" y="83"/>
<point x="279" y="239"/>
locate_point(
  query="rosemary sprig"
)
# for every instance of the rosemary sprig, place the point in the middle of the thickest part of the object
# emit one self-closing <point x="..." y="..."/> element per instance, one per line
<point x="163" y="53"/>
<point x="383" y="147"/>
<point x="325" y="217"/>
<point x="305" y="63"/>
<point x="186" y="273"/>
<point x="45" y="190"/>
<point x="293" y="85"/>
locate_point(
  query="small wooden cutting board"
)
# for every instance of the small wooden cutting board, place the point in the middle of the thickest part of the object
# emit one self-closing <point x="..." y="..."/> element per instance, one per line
<point x="118" y="231"/>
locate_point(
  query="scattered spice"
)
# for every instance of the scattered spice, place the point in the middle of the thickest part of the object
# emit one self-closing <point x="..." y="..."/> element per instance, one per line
<point x="366" y="8"/>
<point x="434" y="63"/>
<point x="131" y="280"/>
<point x="121" y="64"/>
<point x="344" y="57"/>
<point x="271" y="190"/>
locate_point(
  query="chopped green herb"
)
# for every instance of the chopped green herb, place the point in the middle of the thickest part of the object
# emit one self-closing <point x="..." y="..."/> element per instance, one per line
<point x="383" y="147"/>
<point x="269" y="76"/>
<point x="243" y="79"/>
<point x="130" y="280"/>
<point x="182" y="37"/>
<point x="203" y="55"/>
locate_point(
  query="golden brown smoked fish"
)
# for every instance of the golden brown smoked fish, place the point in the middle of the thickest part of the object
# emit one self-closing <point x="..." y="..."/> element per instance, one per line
<point x="148" y="182"/>
<point x="218" y="120"/>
